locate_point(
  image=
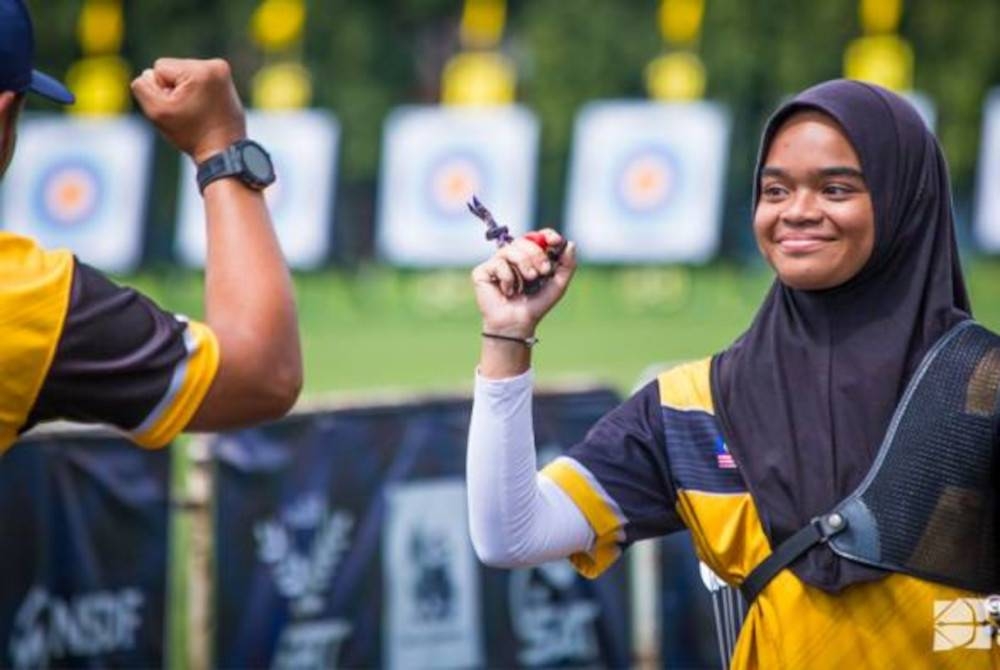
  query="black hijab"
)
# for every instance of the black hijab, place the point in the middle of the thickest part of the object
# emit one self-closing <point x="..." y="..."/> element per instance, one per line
<point x="805" y="395"/>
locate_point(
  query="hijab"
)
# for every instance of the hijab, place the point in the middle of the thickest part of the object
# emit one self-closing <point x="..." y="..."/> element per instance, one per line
<point x="805" y="395"/>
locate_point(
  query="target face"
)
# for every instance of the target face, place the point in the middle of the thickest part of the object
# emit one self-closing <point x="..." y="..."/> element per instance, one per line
<point x="435" y="160"/>
<point x="452" y="180"/>
<point x="69" y="193"/>
<point x="987" y="219"/>
<point x="303" y="146"/>
<point x="646" y="181"/>
<point x="82" y="184"/>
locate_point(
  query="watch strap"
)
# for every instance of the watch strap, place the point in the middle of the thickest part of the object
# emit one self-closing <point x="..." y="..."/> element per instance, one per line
<point x="226" y="163"/>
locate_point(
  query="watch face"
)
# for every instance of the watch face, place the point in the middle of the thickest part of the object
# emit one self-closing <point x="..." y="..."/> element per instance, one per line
<point x="258" y="164"/>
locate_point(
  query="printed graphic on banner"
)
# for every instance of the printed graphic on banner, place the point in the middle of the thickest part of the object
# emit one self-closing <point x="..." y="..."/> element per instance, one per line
<point x="81" y="184"/>
<point x="646" y="181"/>
<point x="303" y="547"/>
<point x="303" y="146"/>
<point x="84" y="584"/>
<point x="48" y="629"/>
<point x="552" y="620"/>
<point x="434" y="160"/>
<point x="987" y="219"/>
<point x="431" y="578"/>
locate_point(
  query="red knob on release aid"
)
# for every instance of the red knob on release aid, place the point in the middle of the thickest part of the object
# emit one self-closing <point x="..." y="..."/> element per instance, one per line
<point x="539" y="239"/>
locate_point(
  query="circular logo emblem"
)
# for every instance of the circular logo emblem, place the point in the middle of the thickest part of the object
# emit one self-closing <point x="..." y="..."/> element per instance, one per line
<point x="647" y="181"/>
<point x="451" y="183"/>
<point x="68" y="193"/>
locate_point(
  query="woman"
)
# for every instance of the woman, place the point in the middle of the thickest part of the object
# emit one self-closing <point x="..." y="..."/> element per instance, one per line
<point x="853" y="213"/>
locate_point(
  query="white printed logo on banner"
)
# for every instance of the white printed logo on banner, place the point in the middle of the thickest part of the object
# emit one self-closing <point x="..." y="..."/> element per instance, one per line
<point x="303" y="146"/>
<point x="81" y="184"/>
<point x="303" y="574"/>
<point x="987" y="220"/>
<point x="646" y="181"/>
<point x="48" y="631"/>
<point x="434" y="160"/>
<point x="552" y="625"/>
<point x="432" y="611"/>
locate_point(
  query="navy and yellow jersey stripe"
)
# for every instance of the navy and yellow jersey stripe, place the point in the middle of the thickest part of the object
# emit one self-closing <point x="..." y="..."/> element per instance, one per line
<point x="189" y="383"/>
<point x="896" y="622"/>
<point x="76" y="346"/>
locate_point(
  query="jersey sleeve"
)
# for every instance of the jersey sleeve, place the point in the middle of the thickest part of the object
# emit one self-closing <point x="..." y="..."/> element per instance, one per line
<point x="123" y="361"/>
<point x="619" y="477"/>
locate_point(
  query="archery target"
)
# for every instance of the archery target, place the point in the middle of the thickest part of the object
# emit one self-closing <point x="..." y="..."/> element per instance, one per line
<point x="82" y="184"/>
<point x="646" y="181"/>
<point x="434" y="160"/>
<point x="303" y="146"/>
<point x="987" y="217"/>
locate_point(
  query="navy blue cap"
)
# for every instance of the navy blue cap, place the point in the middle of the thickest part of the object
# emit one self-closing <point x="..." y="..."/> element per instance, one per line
<point x="17" y="55"/>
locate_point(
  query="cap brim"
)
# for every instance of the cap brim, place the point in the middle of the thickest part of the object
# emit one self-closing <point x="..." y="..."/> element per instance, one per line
<point x="46" y="86"/>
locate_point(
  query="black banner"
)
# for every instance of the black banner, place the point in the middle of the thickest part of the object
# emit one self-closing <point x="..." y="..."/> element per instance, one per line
<point x="84" y="522"/>
<point x="342" y="540"/>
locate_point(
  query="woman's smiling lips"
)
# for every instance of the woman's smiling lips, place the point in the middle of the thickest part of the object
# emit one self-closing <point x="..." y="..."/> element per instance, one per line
<point x="801" y="244"/>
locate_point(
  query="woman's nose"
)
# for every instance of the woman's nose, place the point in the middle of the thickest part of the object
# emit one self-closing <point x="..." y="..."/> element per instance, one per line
<point x="802" y="208"/>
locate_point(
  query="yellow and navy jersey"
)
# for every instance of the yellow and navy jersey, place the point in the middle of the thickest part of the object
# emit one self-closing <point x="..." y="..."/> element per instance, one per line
<point x="76" y="346"/>
<point x="658" y="463"/>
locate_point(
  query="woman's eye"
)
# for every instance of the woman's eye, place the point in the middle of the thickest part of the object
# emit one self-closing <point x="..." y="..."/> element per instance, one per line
<point x="772" y="191"/>
<point x="838" y="190"/>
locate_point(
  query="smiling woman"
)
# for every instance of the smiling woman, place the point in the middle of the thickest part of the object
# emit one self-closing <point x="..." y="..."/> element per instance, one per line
<point x="814" y="222"/>
<point x="752" y="449"/>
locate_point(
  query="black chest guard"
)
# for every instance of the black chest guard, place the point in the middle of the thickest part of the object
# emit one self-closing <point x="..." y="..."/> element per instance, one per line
<point x="929" y="506"/>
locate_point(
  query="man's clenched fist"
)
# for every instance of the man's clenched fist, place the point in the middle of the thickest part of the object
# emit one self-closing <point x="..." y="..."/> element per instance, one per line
<point x="193" y="103"/>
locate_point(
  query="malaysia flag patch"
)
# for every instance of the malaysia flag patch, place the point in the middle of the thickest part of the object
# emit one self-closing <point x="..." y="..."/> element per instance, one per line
<point x="723" y="459"/>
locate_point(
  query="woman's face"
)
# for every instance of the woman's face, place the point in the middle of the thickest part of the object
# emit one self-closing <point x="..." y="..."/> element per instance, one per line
<point x="814" y="221"/>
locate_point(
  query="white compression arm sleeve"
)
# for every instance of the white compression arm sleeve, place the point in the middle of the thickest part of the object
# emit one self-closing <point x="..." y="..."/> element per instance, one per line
<point x="517" y="517"/>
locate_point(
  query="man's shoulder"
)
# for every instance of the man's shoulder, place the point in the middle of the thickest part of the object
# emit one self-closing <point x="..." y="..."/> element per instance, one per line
<point x="23" y="259"/>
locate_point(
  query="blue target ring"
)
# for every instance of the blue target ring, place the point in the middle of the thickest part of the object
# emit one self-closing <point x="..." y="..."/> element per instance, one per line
<point x="647" y="181"/>
<point x="68" y="194"/>
<point x="451" y="181"/>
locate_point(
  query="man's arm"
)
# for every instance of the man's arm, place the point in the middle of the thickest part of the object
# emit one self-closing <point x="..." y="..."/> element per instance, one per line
<point x="249" y="301"/>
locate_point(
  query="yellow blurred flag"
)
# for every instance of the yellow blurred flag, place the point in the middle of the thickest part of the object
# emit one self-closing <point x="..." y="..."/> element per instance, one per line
<point x="101" y="86"/>
<point x="478" y="78"/>
<point x="886" y="60"/>
<point x="101" y="27"/>
<point x="880" y="16"/>
<point x="676" y="76"/>
<point x="680" y="20"/>
<point x="278" y="24"/>
<point x="482" y="23"/>
<point x="282" y="86"/>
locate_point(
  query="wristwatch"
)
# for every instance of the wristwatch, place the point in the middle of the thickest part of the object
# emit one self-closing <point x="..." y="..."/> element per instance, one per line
<point x="245" y="160"/>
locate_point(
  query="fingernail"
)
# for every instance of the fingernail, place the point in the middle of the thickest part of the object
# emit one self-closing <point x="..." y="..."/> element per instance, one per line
<point x="546" y="267"/>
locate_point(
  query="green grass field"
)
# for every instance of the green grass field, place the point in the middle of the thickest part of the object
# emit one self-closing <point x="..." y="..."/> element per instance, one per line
<point x="380" y="330"/>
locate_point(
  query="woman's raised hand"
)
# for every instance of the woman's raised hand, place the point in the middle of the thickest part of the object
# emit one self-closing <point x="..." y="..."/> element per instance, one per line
<point x="499" y="283"/>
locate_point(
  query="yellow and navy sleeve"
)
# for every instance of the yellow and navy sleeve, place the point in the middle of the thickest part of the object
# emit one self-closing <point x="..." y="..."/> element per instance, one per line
<point x="619" y="478"/>
<point x="123" y="361"/>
